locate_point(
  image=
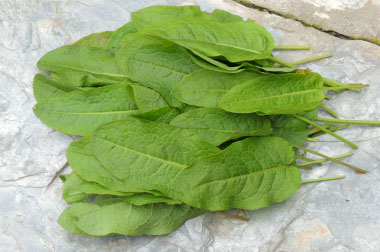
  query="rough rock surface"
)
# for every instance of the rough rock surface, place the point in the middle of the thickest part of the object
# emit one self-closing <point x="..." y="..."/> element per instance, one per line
<point x="335" y="216"/>
<point x="358" y="19"/>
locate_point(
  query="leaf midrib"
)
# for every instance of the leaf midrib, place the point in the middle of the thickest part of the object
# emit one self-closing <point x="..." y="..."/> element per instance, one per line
<point x="248" y="174"/>
<point x="220" y="44"/>
<point x="226" y="131"/>
<point x="145" y="154"/>
<point x="276" y="96"/>
<point x="86" y="71"/>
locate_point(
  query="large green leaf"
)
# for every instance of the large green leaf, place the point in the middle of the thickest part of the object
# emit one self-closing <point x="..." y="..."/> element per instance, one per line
<point x="113" y="43"/>
<point x="82" y="161"/>
<point x="98" y="40"/>
<point x="204" y="88"/>
<point x="157" y="13"/>
<point x="44" y="88"/>
<point x="114" y="216"/>
<point x="275" y="94"/>
<point x="83" y="66"/>
<point x="249" y="174"/>
<point x="146" y="155"/>
<point x="80" y="112"/>
<point x="153" y="14"/>
<point x="237" y="41"/>
<point x="217" y="126"/>
<point x="156" y="63"/>
<point x="76" y="189"/>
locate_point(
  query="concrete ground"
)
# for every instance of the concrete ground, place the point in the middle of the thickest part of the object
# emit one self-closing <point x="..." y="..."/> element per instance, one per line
<point x="336" y="216"/>
<point x="356" y="19"/>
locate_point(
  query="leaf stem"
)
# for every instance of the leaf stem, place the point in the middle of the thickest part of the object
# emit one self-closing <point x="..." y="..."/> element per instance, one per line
<point x="329" y="110"/>
<point x="327" y="81"/>
<point x="324" y="159"/>
<point x="235" y="216"/>
<point x="357" y="169"/>
<point x="316" y="130"/>
<point x="291" y="47"/>
<point x="322" y="179"/>
<point x="299" y="62"/>
<point x="360" y="122"/>
<point x="335" y="128"/>
<point x="327" y="131"/>
<point x="310" y="139"/>
<point x="283" y="63"/>
<point x="354" y="87"/>
<point x="304" y="158"/>
<point x="308" y="167"/>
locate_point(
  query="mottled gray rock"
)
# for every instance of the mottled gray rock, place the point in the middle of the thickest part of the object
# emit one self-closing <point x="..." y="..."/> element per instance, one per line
<point x="333" y="216"/>
<point x="353" y="18"/>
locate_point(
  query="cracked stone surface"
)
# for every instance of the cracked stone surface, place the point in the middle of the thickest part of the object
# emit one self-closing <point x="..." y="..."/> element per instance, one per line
<point x="338" y="216"/>
<point x="358" y="19"/>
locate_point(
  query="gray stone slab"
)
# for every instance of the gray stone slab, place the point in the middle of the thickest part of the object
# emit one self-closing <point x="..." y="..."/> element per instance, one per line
<point x="333" y="216"/>
<point x="359" y="19"/>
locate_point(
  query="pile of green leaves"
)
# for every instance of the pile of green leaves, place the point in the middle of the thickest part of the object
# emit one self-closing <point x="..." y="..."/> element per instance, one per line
<point x="182" y="112"/>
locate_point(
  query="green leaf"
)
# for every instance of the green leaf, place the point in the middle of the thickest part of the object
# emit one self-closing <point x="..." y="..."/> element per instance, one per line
<point x="113" y="43"/>
<point x="80" y="112"/>
<point x="146" y="155"/>
<point x="290" y="128"/>
<point x="156" y="63"/>
<point x="71" y="193"/>
<point x="238" y="41"/>
<point x="76" y="189"/>
<point x="311" y="115"/>
<point x="204" y="88"/>
<point x="226" y="17"/>
<point x="140" y="199"/>
<point x="153" y="14"/>
<point x="44" y="88"/>
<point x="214" y="65"/>
<point x="217" y="126"/>
<point x="275" y="94"/>
<point x="264" y="62"/>
<point x="82" y="161"/>
<point x="146" y="98"/>
<point x="83" y="66"/>
<point x="117" y="217"/>
<point x="269" y="69"/>
<point x="249" y="174"/>
<point x="161" y="115"/>
<point x="98" y="40"/>
<point x="157" y="13"/>
<point x="66" y="221"/>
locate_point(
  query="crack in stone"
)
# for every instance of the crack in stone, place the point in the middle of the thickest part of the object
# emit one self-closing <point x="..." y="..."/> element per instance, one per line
<point x="290" y="16"/>
<point x="56" y="175"/>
